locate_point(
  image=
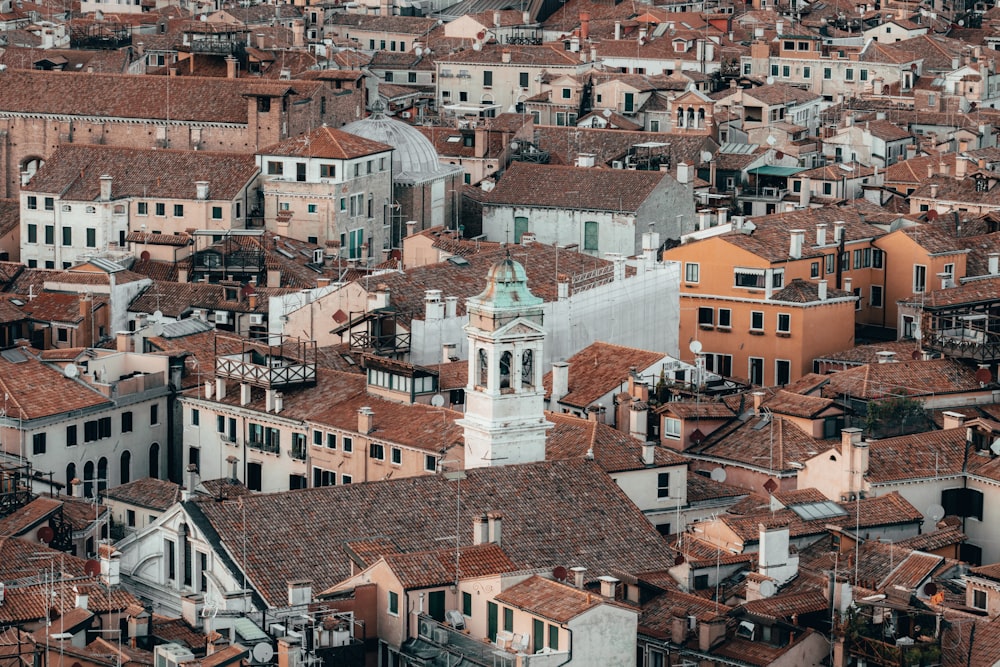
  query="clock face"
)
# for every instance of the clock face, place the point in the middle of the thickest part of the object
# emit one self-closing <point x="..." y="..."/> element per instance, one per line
<point x="527" y="367"/>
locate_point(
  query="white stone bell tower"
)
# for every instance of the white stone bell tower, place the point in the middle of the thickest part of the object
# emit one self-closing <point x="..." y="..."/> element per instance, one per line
<point x="504" y="418"/>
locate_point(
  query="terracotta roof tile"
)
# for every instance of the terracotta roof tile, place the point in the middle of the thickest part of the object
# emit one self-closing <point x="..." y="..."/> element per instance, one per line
<point x="578" y="493"/>
<point x="149" y="492"/>
<point x="914" y="378"/>
<point x="39" y="390"/>
<point x="550" y="599"/>
<point x="702" y="489"/>
<point x="938" y="539"/>
<point x="785" y="607"/>
<point x="600" y="368"/>
<point x="326" y="142"/>
<point x="613" y="450"/>
<point x="426" y="569"/>
<point x="912" y="571"/>
<point x="657" y="615"/>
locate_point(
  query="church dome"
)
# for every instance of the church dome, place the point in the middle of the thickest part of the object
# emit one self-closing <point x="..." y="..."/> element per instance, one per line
<point x="414" y="159"/>
<point x="507" y="286"/>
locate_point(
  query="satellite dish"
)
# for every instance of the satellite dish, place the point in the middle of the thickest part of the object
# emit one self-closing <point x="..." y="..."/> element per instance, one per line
<point x="437" y="401"/>
<point x="157" y="329"/>
<point x="930" y="589"/>
<point x="770" y="80"/>
<point x="718" y="475"/>
<point x="92" y="568"/>
<point x="932" y="215"/>
<point x="767" y="588"/>
<point x="559" y="573"/>
<point x="476" y="46"/>
<point x="481" y="35"/>
<point x="419" y="51"/>
<point x="144" y="256"/>
<point x="706" y="156"/>
<point x="606" y="113"/>
<point x="71" y="371"/>
<point x="695" y="346"/>
<point x="771" y="141"/>
<point x="917" y="334"/>
<point x="263" y="652"/>
<point x="995" y="447"/>
<point x="46" y="534"/>
<point x="770" y="486"/>
<point x="935" y="513"/>
<point x="916" y="354"/>
<point x="983" y="376"/>
<point x="157" y="314"/>
<point x="679" y="560"/>
<point x="961" y="22"/>
<point x="779" y="155"/>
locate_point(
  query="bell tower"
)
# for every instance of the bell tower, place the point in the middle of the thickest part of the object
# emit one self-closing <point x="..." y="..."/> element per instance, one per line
<point x="504" y="418"/>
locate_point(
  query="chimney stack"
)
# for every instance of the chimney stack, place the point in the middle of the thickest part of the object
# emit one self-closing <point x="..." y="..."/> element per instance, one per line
<point x="584" y="25"/>
<point x="609" y="586"/>
<point x="366" y="420"/>
<point x="106" y="187"/>
<point x="795" y="243"/>
<point x="994" y="263"/>
<point x="838" y="230"/>
<point x="494" y="521"/>
<point x="480" y="530"/>
<point x="648" y="453"/>
<point x="231" y="67"/>
<point x="821" y="290"/>
<point x="505" y="56"/>
<point x="821" y="234"/>
<point x="758" y="401"/>
<point x="560" y="382"/>
<point x="578" y="572"/>
<point x="934" y="190"/>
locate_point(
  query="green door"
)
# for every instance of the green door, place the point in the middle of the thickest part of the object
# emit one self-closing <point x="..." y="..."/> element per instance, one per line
<point x="435" y="606"/>
<point x="491" y="621"/>
<point x="520" y="228"/>
<point x="537" y="635"/>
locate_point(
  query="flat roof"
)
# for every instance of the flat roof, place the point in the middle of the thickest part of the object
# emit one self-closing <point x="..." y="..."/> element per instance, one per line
<point x="774" y="170"/>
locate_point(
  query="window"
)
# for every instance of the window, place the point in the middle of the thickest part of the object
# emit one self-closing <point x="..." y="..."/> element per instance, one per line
<point x="590" y="235"/>
<point x="130" y="518"/>
<point x="827" y="188"/>
<point x="753" y="278"/>
<point x="629" y="102"/>
<point x="216" y="213"/>
<point x="864" y="74"/>
<point x="784" y="323"/>
<point x="553" y="637"/>
<point x="919" y="278"/>
<point x="178" y="210"/>
<point x="691" y="271"/>
<point x="520" y="228"/>
<point x="32" y="202"/>
<point x="807" y="72"/>
<point x="756" y="320"/>
<point x="979" y="599"/>
<point x="706" y="316"/>
<point x="71" y="440"/>
<point x="782" y="371"/>
<point x="430" y="463"/>
<point x="348" y="445"/>
<point x="331" y="440"/>
<point x="508" y="619"/>
<point x="831" y="263"/>
<point x="849" y="74"/>
<point x="50" y="235"/>
<point x="466" y="603"/>
<point x="876" y="299"/>
<point x="32" y="233"/>
<point x="91" y="237"/>
<point x="814" y="270"/>
<point x="376" y="451"/>
<point x="487" y="78"/>
<point x="254" y="475"/>
<point x="195" y="417"/>
<point x="786" y="71"/>
<point x="275" y="168"/>
<point x="127" y="422"/>
<point x="168" y="546"/>
<point x="161" y="209"/>
<point x="397" y="455"/>
<point x="394" y="603"/>
<point x="774" y="70"/>
<point x="328" y="171"/>
<point x="154" y="414"/>
<point x="311" y="208"/>
<point x="857" y="258"/>
<point x="949" y="269"/>
<point x="523" y="79"/>
<point x="38" y="443"/>
<point x="411" y="77"/>
<point x="346" y="479"/>
<point x="756" y="371"/>
<point x="827" y="73"/>
<point x="671" y="427"/>
<point x="67" y="236"/>
<point x="663" y="485"/>
<point x="357" y="204"/>
<point x="388" y="77"/>
<point x="725" y="318"/>
<point x="537" y="635"/>
<point x="62" y="334"/>
<point x="50" y="204"/>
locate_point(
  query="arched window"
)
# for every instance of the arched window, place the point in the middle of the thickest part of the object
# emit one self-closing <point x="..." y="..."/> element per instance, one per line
<point x="125" y="472"/>
<point x="701" y="118"/>
<point x="528" y="368"/>
<point x="70" y="476"/>
<point x="154" y="460"/>
<point x="506" y="361"/>
<point x="102" y="474"/>
<point x="680" y="118"/>
<point x="484" y="368"/>
<point x="88" y="479"/>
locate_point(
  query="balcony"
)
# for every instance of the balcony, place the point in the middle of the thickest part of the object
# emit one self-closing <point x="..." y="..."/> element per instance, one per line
<point x="442" y="644"/>
<point x="291" y="362"/>
<point x="264" y="446"/>
<point x="963" y="333"/>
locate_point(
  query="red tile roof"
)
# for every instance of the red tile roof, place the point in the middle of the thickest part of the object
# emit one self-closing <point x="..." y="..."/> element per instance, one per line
<point x="600" y="368"/>
<point x="427" y="569"/>
<point x="148" y="492"/>
<point x="550" y="599"/>
<point x="906" y="377"/>
<point x="613" y="450"/>
<point x="326" y="142"/>
<point x="36" y="389"/>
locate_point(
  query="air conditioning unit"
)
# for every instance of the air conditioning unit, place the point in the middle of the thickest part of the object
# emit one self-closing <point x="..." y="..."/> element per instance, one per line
<point x="221" y="317"/>
<point x="440" y="635"/>
<point x="257" y="318"/>
<point x="426" y="629"/>
<point x="455" y="618"/>
<point x="769" y="192"/>
<point x="617" y="164"/>
<point x="406" y="114"/>
<point x="172" y="655"/>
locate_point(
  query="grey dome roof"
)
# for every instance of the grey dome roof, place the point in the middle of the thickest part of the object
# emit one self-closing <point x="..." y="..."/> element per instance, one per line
<point x="414" y="159"/>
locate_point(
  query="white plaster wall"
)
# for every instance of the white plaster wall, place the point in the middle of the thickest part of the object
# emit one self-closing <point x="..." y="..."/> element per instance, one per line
<point x="604" y="637"/>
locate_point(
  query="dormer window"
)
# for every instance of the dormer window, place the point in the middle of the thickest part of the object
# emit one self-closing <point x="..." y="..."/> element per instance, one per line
<point x="982" y="185"/>
<point x="680" y="46"/>
<point x="231" y="293"/>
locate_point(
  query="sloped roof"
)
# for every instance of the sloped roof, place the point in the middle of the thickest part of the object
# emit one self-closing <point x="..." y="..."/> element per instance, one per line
<point x="425" y="569"/>
<point x="613" y="450"/>
<point x="550" y="599"/>
<point x="327" y="142"/>
<point x="576" y="497"/>
<point x="600" y="368"/>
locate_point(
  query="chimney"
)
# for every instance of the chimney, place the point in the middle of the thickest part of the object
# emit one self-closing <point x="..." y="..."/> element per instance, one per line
<point x="953" y="420"/>
<point x="609" y="586"/>
<point x="220" y="388"/>
<point x="233" y="463"/>
<point x="433" y="306"/>
<point x="994" y="263"/>
<point x="252" y="300"/>
<point x="945" y="280"/>
<point x="758" y="401"/>
<point x="411" y="226"/>
<point x="447" y="352"/>
<point x="643" y="31"/>
<point x="279" y="402"/>
<point x="106" y="188"/>
<point x="838" y="230"/>
<point x="584" y="25"/>
<point x="496" y="18"/>
<point x="774" y="558"/>
<point x="110" y="565"/>
<point x="245" y="393"/>
<point x="494" y="521"/>
<point x="795" y="244"/>
<point x="192" y="481"/>
<point x="683" y="173"/>
<point x="934" y="190"/>
<point x="231" y="67"/>
<point x="650" y="246"/>
<point x="82" y="599"/>
<point x="201" y="190"/>
<point x="578" y="572"/>
<point x="366" y="420"/>
<point x="480" y="529"/>
<point x="930" y="170"/>
<point x="648" y="453"/>
<point x="779" y="27"/>
<point x="821" y="290"/>
<point x="885" y="357"/>
<point x="805" y="191"/>
<point x="821" y="234"/>
<point x="848" y="282"/>
<point x="451" y="307"/>
<point x="299" y="592"/>
<point x="857" y="450"/>
<point x="560" y="382"/>
<point x="618" y="30"/>
<point x="562" y="287"/>
<point x="298" y="33"/>
<point x="505" y="56"/>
